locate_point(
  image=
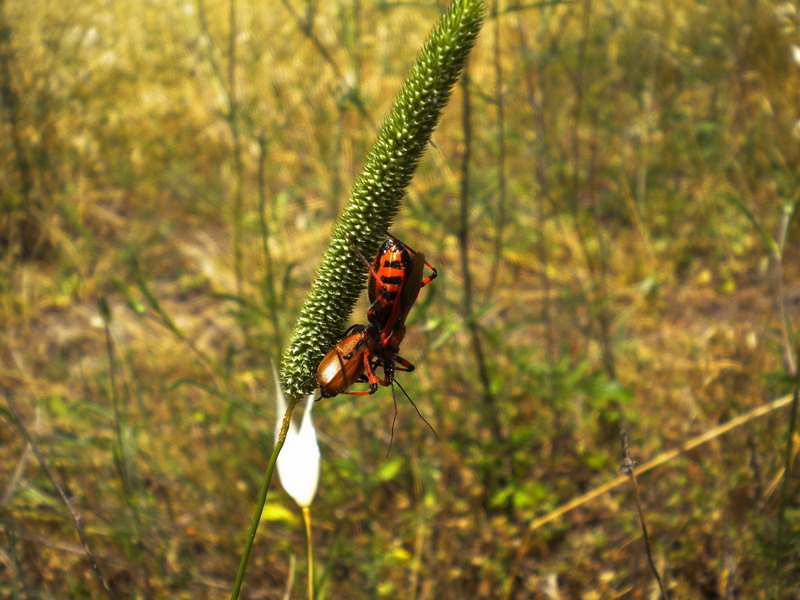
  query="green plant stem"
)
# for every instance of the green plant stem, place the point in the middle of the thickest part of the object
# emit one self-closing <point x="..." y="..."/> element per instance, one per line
<point x="238" y="163"/>
<point x="122" y="462"/>
<point x="262" y="498"/>
<point x="124" y="475"/>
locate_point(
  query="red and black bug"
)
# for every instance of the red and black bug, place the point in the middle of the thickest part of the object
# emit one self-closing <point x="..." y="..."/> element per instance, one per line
<point x="396" y="277"/>
<point x="393" y="288"/>
<point x="355" y="358"/>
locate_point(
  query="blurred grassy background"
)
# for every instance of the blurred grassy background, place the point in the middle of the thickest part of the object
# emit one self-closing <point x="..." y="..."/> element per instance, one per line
<point x="628" y="161"/>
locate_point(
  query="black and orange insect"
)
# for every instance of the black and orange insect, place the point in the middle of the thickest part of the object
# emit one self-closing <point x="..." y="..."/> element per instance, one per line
<point x="384" y="345"/>
<point x="396" y="277"/>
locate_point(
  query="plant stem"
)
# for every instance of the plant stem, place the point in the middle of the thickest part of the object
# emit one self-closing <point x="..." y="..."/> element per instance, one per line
<point x="124" y="475"/>
<point x="489" y="401"/>
<point x="629" y="469"/>
<point x="310" y="546"/>
<point x="269" y="275"/>
<point x="791" y="367"/>
<point x="262" y="498"/>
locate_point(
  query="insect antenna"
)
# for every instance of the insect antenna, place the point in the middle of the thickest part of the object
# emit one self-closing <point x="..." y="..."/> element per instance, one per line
<point x="355" y="249"/>
<point x="307" y="381"/>
<point x="394" y="420"/>
<point x="416" y="409"/>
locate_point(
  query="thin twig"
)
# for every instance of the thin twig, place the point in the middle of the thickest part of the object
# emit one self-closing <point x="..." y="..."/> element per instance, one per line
<point x="489" y="401"/>
<point x="226" y="83"/>
<point x="76" y="519"/>
<point x="536" y="96"/>
<point x="629" y="468"/>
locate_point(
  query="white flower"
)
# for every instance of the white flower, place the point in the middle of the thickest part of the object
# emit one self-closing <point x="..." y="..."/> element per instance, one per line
<point x="298" y="462"/>
<point x="796" y="53"/>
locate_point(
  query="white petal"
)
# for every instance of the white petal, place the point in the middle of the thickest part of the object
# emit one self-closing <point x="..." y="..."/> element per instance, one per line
<point x="298" y="462"/>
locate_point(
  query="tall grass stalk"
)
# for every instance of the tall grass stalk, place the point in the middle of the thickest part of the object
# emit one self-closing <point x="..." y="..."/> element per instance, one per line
<point x="162" y="316"/>
<point x="122" y="455"/>
<point x="234" y="121"/>
<point x="226" y="84"/>
<point x="269" y="290"/>
<point x="536" y="96"/>
<point x="597" y="262"/>
<point x="377" y="192"/>
<point x="122" y="461"/>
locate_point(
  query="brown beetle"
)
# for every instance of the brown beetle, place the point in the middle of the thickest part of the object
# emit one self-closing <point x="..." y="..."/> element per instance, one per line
<point x="345" y="364"/>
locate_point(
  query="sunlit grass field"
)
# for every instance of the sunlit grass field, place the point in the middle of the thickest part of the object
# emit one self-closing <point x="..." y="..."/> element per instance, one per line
<point x="633" y="260"/>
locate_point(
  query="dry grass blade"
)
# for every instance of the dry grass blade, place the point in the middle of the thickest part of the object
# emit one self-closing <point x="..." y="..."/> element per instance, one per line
<point x="657" y="461"/>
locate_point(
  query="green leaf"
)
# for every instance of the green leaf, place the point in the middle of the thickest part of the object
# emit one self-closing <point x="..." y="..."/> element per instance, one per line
<point x="278" y="512"/>
<point x="389" y="469"/>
